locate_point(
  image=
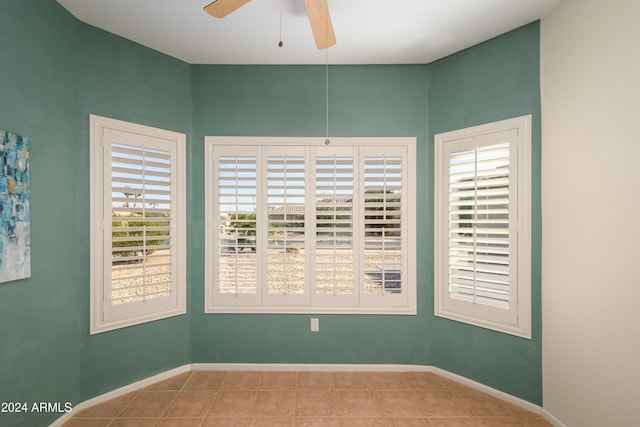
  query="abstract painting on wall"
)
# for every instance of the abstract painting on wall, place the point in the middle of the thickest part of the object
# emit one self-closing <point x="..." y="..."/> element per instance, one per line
<point x="15" y="240"/>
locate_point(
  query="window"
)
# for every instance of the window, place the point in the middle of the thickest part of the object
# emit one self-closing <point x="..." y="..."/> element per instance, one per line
<point x="483" y="226"/>
<point x="295" y="225"/>
<point x="137" y="224"/>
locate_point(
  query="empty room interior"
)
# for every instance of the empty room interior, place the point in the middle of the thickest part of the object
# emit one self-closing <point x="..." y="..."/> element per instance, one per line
<point x="427" y="189"/>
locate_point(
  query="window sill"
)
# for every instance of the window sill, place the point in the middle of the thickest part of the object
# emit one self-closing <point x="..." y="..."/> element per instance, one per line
<point x="404" y="311"/>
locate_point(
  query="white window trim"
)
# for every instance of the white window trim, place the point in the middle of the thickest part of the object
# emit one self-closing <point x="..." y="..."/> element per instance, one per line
<point x="520" y="316"/>
<point x="100" y="246"/>
<point x="409" y="307"/>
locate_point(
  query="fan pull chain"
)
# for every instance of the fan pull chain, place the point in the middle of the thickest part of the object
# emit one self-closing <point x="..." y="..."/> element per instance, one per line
<point x="280" y="44"/>
<point x="327" y="141"/>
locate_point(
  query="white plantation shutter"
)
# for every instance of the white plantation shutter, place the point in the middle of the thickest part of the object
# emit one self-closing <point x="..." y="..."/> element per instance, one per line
<point x="140" y="267"/>
<point x="334" y="263"/>
<point x="286" y="208"/>
<point x="324" y="227"/>
<point x="384" y="231"/>
<point x="234" y="183"/>
<point x="480" y="233"/>
<point x="236" y="195"/>
<point x="482" y="226"/>
<point x="138" y="224"/>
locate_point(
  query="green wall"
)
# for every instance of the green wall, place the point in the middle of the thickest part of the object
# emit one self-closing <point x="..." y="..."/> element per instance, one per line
<point x="290" y="101"/>
<point x="39" y="339"/>
<point x="495" y="80"/>
<point x="122" y="80"/>
<point x="56" y="71"/>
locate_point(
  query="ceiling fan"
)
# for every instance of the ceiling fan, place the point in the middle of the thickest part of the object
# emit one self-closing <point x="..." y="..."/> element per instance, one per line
<point x="317" y="10"/>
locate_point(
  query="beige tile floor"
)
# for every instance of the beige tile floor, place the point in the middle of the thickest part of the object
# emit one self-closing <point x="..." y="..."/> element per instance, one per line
<point x="296" y="399"/>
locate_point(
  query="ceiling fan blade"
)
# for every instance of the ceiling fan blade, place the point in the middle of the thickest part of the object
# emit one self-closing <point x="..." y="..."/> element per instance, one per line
<point x="320" y="21"/>
<point x="221" y="8"/>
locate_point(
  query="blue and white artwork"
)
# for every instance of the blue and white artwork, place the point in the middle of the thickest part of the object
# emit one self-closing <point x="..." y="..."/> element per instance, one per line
<point x="15" y="242"/>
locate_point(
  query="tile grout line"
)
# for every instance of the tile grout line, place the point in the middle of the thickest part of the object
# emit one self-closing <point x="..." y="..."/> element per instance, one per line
<point x="295" y="401"/>
<point x="213" y="401"/>
<point x="374" y="390"/>
<point x="135" y="395"/>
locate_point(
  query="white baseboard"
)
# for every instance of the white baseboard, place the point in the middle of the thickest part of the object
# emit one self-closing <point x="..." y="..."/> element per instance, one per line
<point x="309" y="368"/>
<point x="489" y="390"/>
<point x="553" y="420"/>
<point x="119" y="392"/>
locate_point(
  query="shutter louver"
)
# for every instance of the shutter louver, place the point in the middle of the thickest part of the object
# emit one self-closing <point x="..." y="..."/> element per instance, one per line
<point x="479" y="225"/>
<point x="237" y="192"/>
<point x="141" y="239"/>
<point x="383" y="245"/>
<point x="334" y="244"/>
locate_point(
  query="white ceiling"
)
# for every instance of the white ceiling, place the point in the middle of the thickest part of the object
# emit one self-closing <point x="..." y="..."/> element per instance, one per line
<point x="367" y="31"/>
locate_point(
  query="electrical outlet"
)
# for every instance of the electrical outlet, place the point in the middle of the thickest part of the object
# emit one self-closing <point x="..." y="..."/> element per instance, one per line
<point x="315" y="325"/>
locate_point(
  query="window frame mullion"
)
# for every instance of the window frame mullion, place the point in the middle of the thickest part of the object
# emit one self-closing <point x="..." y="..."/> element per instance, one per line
<point x="262" y="227"/>
<point x="310" y="226"/>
